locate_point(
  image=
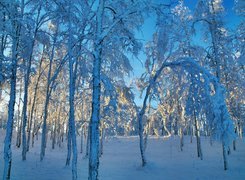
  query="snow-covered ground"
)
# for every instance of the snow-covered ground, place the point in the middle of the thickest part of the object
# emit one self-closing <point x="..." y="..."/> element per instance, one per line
<point x="121" y="161"/>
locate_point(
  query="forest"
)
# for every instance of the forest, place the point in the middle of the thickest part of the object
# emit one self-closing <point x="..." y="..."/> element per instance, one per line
<point x="78" y="75"/>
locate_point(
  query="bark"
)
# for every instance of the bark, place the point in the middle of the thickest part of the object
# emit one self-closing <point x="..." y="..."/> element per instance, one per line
<point x="27" y="78"/>
<point x="47" y="98"/>
<point x="197" y="133"/>
<point x="29" y="128"/>
<point x="181" y="139"/>
<point x="54" y="134"/>
<point x="191" y="131"/>
<point x="214" y="36"/>
<point x="234" y="141"/>
<point x="3" y="40"/>
<point x="102" y="138"/>
<point x="87" y="142"/>
<point x="44" y="128"/>
<point x="26" y="85"/>
<point x="72" y="127"/>
<point x="34" y="130"/>
<point x="225" y="156"/>
<point x="68" y="157"/>
<point x="81" y="147"/>
<point x="34" y="102"/>
<point x="95" y="118"/>
<point x="142" y="112"/>
<point x="164" y="127"/>
<point x="234" y="145"/>
<point x="9" y="130"/>
<point x="10" y="122"/>
<point x="19" y="119"/>
<point x="240" y="131"/>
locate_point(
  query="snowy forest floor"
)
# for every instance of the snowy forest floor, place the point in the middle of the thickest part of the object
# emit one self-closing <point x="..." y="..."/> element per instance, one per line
<point x="121" y="161"/>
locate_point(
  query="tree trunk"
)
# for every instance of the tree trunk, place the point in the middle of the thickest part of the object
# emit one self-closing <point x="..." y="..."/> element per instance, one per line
<point x="199" y="149"/>
<point x="3" y="42"/>
<point x="225" y="156"/>
<point x="54" y="134"/>
<point x="34" y="102"/>
<point x="102" y="138"/>
<point x="44" y="129"/>
<point x="142" y="149"/>
<point x="26" y="85"/>
<point x="87" y="142"/>
<point x="47" y="98"/>
<point x="72" y="126"/>
<point x="68" y="157"/>
<point x="19" y="119"/>
<point x="234" y="145"/>
<point x="181" y="139"/>
<point x="34" y="129"/>
<point x="81" y="147"/>
<point x="95" y="117"/>
<point x="9" y="129"/>
<point x="10" y="122"/>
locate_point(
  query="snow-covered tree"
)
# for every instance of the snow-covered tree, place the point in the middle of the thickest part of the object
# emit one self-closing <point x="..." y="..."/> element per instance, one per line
<point x="14" y="12"/>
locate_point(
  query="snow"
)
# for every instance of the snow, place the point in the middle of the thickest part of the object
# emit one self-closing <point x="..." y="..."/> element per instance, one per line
<point x="121" y="161"/>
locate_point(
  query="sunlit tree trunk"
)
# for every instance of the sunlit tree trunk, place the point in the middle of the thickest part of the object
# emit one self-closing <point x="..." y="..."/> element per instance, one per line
<point x="46" y="105"/>
<point x="25" y="144"/>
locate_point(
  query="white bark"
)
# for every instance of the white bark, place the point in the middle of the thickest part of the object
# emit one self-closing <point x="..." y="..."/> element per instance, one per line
<point x="197" y="133"/>
<point x="8" y="138"/>
<point x="95" y="118"/>
<point x="9" y="130"/>
<point x="19" y="118"/>
<point x="72" y="74"/>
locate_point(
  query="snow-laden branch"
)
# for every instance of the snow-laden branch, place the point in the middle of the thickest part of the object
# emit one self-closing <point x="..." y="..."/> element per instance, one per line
<point x="118" y="19"/>
<point x="221" y="122"/>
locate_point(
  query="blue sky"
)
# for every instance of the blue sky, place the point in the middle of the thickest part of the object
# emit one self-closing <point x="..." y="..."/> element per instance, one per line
<point x="231" y="20"/>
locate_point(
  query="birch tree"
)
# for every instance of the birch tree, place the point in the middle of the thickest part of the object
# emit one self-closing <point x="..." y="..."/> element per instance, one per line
<point x="101" y="34"/>
<point x="11" y="8"/>
<point x="29" y="58"/>
<point x="212" y="13"/>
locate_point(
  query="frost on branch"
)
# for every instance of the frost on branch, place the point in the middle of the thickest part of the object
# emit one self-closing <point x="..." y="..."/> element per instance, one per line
<point x="223" y="125"/>
<point x="219" y="118"/>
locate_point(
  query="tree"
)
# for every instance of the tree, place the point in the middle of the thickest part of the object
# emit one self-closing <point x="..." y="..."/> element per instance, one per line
<point x="28" y="61"/>
<point x="120" y="19"/>
<point x="14" y="14"/>
<point x="219" y="55"/>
